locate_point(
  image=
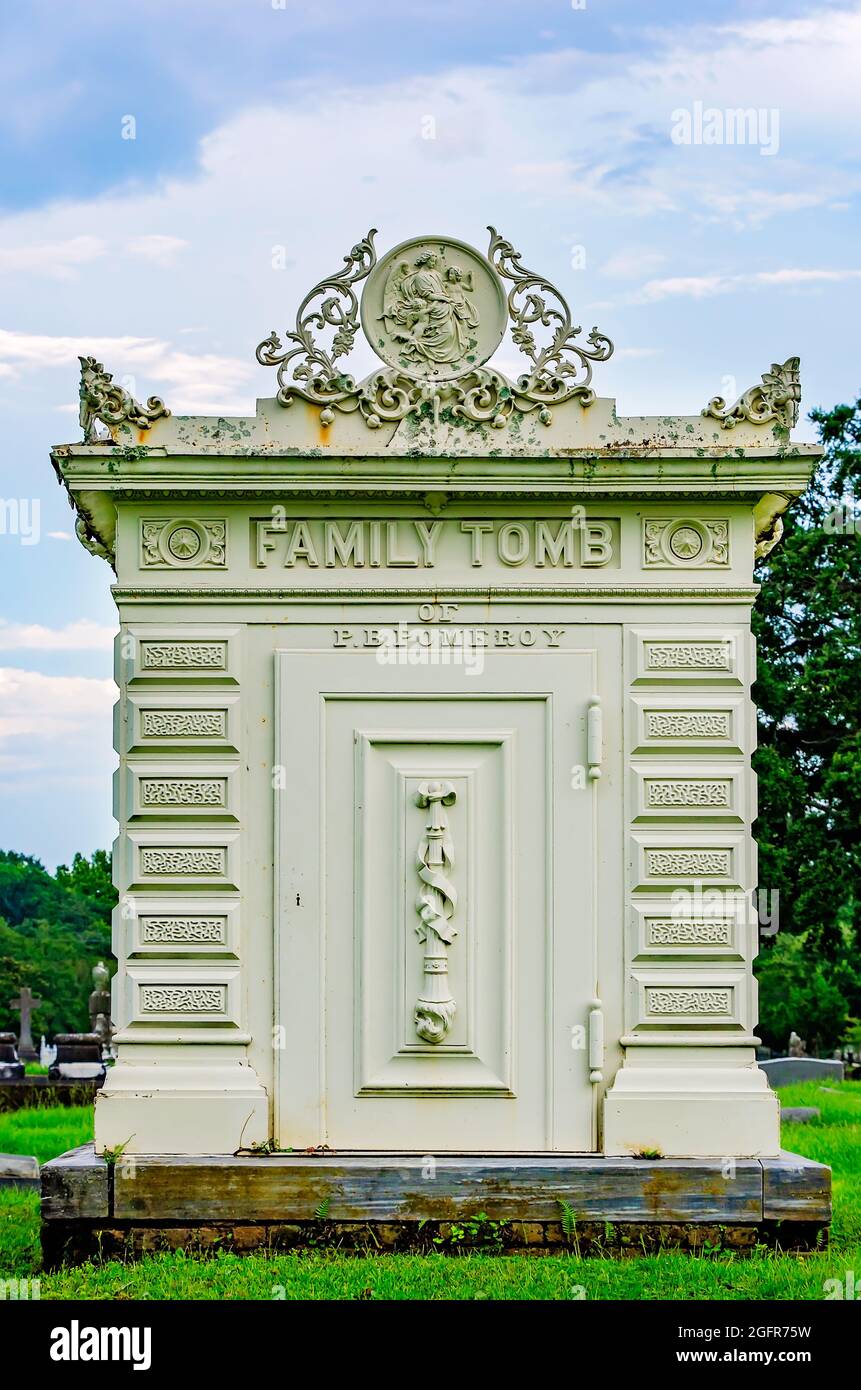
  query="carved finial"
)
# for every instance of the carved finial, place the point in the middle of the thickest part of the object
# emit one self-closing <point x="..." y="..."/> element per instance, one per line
<point x="102" y="399"/>
<point x="775" y="398"/>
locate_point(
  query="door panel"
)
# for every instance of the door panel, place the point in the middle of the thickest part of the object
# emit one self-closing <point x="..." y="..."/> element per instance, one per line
<point x="437" y="901"/>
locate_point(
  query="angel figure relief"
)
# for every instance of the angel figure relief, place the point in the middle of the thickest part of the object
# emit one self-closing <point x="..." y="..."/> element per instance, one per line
<point x="428" y="312"/>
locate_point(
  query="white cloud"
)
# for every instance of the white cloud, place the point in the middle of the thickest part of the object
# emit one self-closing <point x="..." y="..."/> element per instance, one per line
<point x="162" y="250"/>
<point x="197" y="383"/>
<point x="58" y="260"/>
<point x="82" y="635"/>
<point x="704" y="286"/>
<point x="41" y="707"/>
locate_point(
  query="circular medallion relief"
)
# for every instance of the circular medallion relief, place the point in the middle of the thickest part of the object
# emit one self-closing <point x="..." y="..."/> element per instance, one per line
<point x="434" y="308"/>
<point x="686" y="542"/>
<point x="183" y="543"/>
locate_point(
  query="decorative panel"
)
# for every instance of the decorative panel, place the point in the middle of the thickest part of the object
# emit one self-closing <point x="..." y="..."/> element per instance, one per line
<point x="151" y="653"/>
<point x="693" y="723"/>
<point x="685" y="543"/>
<point x="688" y="998"/>
<point x="664" y="860"/>
<point x="183" y="722"/>
<point x="190" y="995"/>
<point x="709" y="922"/>
<point x="701" y="655"/>
<point x="177" y="858"/>
<point x="177" y="925"/>
<point x="183" y="543"/>
<point x="687" y="791"/>
<point x="165" y="791"/>
<point x="439" y="883"/>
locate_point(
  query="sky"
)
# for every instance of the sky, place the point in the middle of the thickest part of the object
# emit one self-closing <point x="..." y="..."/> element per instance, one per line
<point x="175" y="176"/>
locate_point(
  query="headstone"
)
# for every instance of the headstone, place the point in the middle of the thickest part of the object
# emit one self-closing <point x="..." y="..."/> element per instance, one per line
<point x="19" y="1170"/>
<point x="25" y="1003"/>
<point x="79" y="1058"/>
<point x="11" y="1067"/>
<point x="47" y="1053"/>
<point x="784" y="1071"/>
<point x="797" y="1046"/>
<point x="800" y="1114"/>
<point x="100" y="1007"/>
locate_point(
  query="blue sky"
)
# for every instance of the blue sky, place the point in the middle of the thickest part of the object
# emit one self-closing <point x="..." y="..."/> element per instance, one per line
<point x="269" y="136"/>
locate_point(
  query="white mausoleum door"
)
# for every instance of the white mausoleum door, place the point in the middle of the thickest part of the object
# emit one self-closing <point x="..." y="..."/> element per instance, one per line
<point x="437" y="918"/>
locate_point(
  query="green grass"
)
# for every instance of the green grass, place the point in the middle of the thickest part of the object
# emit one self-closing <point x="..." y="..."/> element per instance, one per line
<point x="45" y="1132"/>
<point x="835" y="1138"/>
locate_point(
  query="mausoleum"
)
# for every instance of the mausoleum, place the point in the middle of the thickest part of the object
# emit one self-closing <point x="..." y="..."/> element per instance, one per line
<point x="434" y="724"/>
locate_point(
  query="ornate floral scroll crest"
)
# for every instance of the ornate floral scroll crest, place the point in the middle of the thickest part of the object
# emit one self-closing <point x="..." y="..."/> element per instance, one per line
<point x="102" y="399"/>
<point x="560" y="371"/>
<point x="305" y="367"/>
<point x="776" y="398"/>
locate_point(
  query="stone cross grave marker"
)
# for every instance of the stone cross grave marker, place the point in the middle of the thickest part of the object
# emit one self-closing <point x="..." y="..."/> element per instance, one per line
<point x="25" y="1004"/>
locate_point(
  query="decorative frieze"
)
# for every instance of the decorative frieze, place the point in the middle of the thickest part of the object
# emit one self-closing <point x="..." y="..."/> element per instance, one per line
<point x="673" y="543"/>
<point x="203" y="792"/>
<point x="684" y="657"/>
<point x="688" y="863"/>
<point x="688" y="724"/>
<point x="676" y="1000"/>
<point x="689" y="931"/>
<point x="167" y="724"/>
<point x="183" y="656"/>
<point x="183" y="544"/>
<point x="690" y="793"/>
<point x="186" y="999"/>
<point x="178" y="929"/>
<point x="181" y="860"/>
<point x="674" y="655"/>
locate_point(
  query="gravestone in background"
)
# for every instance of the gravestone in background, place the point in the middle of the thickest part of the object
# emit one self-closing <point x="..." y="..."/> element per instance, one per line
<point x="25" y="1003"/>
<point x="11" y="1067"/>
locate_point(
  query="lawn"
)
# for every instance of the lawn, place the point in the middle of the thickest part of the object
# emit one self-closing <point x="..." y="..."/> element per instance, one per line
<point x="835" y="1138"/>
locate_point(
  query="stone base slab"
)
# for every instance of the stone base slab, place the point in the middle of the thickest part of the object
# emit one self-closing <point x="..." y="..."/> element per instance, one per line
<point x="589" y="1204"/>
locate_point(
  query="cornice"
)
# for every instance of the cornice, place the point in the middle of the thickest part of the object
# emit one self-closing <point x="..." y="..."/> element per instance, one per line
<point x="746" y="593"/>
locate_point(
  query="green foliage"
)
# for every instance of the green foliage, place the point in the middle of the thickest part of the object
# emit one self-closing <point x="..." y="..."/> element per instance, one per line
<point x="53" y="930"/>
<point x="799" y="991"/>
<point x="569" y="1220"/>
<point x="808" y="628"/>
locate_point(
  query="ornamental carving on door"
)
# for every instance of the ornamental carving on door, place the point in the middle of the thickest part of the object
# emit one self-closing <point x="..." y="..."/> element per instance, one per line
<point x="436" y="903"/>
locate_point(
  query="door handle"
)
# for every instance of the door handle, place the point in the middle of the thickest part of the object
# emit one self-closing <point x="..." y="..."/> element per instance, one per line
<point x="596" y="1042"/>
<point x="594" y="738"/>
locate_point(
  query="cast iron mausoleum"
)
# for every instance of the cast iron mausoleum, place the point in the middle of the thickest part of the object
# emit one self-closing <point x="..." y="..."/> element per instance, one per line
<point x="434" y="725"/>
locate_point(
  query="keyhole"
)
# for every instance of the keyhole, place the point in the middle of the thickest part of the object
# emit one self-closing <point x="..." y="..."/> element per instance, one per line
<point x="298" y="903"/>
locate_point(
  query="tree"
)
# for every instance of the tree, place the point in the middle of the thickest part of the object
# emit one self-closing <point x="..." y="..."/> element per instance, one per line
<point x="53" y="930"/>
<point x="807" y="623"/>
